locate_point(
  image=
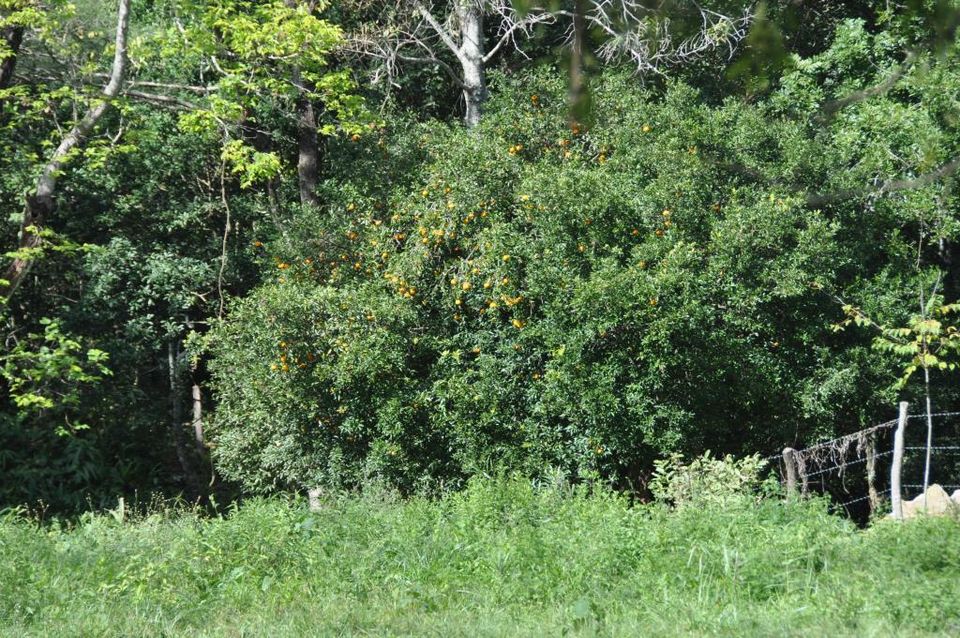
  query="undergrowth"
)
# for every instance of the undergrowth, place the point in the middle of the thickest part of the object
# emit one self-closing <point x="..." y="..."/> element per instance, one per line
<point x="502" y="558"/>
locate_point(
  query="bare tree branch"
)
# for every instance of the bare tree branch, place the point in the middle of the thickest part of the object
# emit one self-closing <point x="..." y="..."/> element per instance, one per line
<point x="637" y="33"/>
<point x="413" y="32"/>
<point x="387" y="52"/>
<point x="442" y="33"/>
<point x="200" y="90"/>
<point x="161" y="100"/>
<point x="511" y="23"/>
<point x="858" y="96"/>
<point x="889" y="186"/>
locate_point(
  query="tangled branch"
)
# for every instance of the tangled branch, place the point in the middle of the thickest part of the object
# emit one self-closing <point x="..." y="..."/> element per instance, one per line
<point x="408" y="31"/>
<point x="646" y="38"/>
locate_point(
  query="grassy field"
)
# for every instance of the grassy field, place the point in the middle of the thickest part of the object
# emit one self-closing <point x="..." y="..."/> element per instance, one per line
<point x="500" y="559"/>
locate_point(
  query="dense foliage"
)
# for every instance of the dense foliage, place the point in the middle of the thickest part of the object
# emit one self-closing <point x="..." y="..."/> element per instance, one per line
<point x="265" y="272"/>
<point x="530" y="294"/>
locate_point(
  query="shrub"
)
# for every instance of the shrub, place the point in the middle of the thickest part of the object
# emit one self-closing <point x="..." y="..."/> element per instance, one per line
<point x="532" y="294"/>
<point x="706" y="480"/>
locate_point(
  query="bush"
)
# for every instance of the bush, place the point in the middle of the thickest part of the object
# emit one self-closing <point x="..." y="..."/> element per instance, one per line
<point x="706" y="480"/>
<point x="530" y="295"/>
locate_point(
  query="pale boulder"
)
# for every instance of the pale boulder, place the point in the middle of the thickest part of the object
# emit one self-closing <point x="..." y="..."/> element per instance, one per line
<point x="938" y="502"/>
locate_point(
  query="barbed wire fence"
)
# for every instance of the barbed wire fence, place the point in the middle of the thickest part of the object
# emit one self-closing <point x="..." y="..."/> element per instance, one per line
<point x="875" y="469"/>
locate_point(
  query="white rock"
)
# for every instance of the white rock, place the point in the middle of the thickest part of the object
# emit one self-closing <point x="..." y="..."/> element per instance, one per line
<point x="938" y="503"/>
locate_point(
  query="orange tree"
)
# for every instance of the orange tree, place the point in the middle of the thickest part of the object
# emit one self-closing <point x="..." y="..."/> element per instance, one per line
<point x="536" y="293"/>
<point x="533" y="294"/>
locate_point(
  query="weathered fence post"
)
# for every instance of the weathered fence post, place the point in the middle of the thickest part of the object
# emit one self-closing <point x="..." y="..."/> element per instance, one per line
<point x="897" y="465"/>
<point x="871" y="452"/>
<point x="313" y="499"/>
<point x="790" y="466"/>
<point x="198" y="419"/>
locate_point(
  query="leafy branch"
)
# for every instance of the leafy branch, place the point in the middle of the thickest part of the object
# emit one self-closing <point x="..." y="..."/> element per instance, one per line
<point x="927" y="342"/>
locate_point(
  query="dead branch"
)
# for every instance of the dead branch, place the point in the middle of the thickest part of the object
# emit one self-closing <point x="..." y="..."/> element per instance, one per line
<point x="833" y="106"/>
<point x="889" y="186"/>
<point x="637" y="33"/>
<point x="410" y="32"/>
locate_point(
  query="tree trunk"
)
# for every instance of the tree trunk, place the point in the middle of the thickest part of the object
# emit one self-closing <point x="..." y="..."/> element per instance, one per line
<point x="176" y="414"/>
<point x="308" y="146"/>
<point x="13" y="38"/>
<point x="579" y="99"/>
<point x="471" y="60"/>
<point x="40" y="205"/>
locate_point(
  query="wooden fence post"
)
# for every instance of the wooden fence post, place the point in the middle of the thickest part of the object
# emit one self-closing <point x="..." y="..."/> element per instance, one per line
<point x="896" y="501"/>
<point x="790" y="466"/>
<point x="313" y="499"/>
<point x="871" y="452"/>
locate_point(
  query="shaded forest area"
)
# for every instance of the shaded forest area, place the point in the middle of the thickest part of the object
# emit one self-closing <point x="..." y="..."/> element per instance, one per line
<point x="256" y="246"/>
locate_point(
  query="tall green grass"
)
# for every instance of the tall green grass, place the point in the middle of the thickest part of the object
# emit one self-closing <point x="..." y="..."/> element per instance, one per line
<point x="499" y="559"/>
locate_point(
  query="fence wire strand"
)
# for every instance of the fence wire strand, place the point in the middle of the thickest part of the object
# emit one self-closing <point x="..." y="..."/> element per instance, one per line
<point x="944" y="486"/>
<point x="838" y="466"/>
<point x="856" y="500"/>
<point x="870" y="430"/>
<point x="932" y="414"/>
<point x="835" y="451"/>
<point x="852" y="436"/>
